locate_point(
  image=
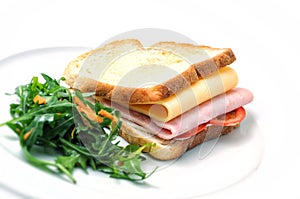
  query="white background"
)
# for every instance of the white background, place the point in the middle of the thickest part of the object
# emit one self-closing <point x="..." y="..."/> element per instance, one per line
<point x="263" y="34"/>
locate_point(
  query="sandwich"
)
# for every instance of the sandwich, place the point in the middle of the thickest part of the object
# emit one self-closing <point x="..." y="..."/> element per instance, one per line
<point x="171" y="95"/>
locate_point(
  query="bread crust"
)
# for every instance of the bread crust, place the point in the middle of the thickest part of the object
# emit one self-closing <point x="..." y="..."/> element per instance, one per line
<point x="158" y="92"/>
<point x="170" y="149"/>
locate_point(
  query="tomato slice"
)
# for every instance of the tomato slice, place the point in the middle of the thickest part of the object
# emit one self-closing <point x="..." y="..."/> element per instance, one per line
<point x="193" y="131"/>
<point x="229" y="119"/>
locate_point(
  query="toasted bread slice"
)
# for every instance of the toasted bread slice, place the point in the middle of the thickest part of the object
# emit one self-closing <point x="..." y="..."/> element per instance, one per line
<point x="125" y="71"/>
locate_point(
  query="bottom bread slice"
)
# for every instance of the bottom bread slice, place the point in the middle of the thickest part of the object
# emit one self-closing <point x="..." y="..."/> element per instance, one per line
<point x="169" y="149"/>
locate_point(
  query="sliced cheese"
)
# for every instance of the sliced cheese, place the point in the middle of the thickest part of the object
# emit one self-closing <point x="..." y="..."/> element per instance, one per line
<point x="203" y="90"/>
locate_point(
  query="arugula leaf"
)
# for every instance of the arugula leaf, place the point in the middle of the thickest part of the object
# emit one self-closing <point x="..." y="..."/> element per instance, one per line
<point x="125" y="162"/>
<point x="72" y="160"/>
<point x="50" y="115"/>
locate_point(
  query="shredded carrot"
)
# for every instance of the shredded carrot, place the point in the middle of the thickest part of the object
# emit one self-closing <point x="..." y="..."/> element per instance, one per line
<point x="106" y="114"/>
<point x="40" y="100"/>
<point x="26" y="135"/>
<point x="87" y="110"/>
<point x="91" y="114"/>
<point x="99" y="119"/>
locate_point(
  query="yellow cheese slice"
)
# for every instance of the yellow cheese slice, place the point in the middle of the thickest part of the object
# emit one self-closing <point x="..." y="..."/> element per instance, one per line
<point x="203" y="90"/>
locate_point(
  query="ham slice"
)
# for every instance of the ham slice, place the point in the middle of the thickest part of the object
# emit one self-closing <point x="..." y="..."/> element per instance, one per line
<point x="208" y="110"/>
<point x="188" y="122"/>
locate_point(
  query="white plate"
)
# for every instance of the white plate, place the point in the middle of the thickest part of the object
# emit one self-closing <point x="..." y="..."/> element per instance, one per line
<point x="200" y="171"/>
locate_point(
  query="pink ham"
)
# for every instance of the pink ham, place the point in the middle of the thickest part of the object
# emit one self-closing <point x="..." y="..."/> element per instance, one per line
<point x="206" y="111"/>
<point x="141" y="119"/>
<point x="189" y="121"/>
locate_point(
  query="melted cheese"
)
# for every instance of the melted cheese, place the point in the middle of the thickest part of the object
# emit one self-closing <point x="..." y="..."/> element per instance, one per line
<point x="203" y="90"/>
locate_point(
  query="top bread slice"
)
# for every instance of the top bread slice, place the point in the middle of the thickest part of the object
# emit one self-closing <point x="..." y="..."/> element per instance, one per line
<point x="128" y="69"/>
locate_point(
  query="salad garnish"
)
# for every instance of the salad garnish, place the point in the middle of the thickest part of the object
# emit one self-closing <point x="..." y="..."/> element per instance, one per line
<point x="79" y="132"/>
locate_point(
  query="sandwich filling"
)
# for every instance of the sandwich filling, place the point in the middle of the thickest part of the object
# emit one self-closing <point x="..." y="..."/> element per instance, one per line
<point x="189" y="112"/>
<point x="194" y="120"/>
<point x="165" y="110"/>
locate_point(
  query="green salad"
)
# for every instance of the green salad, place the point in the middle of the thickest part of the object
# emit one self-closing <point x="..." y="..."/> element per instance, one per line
<point x="82" y="133"/>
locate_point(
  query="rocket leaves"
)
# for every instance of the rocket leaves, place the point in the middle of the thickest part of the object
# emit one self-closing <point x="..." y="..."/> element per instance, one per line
<point x="82" y="133"/>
